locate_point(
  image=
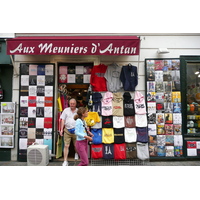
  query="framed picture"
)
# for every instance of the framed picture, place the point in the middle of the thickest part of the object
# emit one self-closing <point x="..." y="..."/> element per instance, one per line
<point x="7" y="107"/>
<point x="7" y="130"/>
<point x="7" y="119"/>
<point x="6" y="141"/>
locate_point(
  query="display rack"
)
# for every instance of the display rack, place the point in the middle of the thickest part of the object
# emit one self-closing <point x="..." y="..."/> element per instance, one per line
<point x="36" y="106"/>
<point x="164" y="107"/>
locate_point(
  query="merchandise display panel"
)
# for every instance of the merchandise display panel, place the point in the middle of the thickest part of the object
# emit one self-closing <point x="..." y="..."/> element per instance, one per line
<point x="36" y="106"/>
<point x="163" y="94"/>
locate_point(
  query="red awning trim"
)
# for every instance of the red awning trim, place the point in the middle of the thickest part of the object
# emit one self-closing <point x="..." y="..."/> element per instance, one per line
<point x="76" y="45"/>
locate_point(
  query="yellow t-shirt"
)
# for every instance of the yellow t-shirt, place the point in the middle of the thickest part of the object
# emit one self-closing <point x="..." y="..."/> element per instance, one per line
<point x="92" y="118"/>
<point x="107" y="135"/>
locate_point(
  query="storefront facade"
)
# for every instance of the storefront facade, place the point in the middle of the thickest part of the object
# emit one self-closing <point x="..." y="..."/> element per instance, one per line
<point x="173" y="47"/>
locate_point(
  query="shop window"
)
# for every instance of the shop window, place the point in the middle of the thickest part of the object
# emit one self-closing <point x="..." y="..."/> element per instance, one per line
<point x="190" y="82"/>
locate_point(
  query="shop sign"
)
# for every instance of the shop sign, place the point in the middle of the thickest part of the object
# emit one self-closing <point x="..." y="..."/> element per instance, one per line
<point x="117" y="45"/>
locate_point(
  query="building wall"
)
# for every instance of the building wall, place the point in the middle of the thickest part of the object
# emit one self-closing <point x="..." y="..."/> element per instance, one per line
<point x="177" y="44"/>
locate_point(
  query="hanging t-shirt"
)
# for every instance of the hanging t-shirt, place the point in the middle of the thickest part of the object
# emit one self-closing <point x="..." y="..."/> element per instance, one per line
<point x="142" y="151"/>
<point x="112" y="76"/>
<point x="142" y="134"/>
<point x="120" y="151"/>
<point x="107" y="121"/>
<point x="117" y="104"/>
<point x="97" y="138"/>
<point x="97" y="151"/>
<point x="129" y="108"/>
<point x="96" y="99"/>
<point x="119" y="135"/>
<point x="129" y="121"/>
<point x="97" y="79"/>
<point x="92" y="118"/>
<point x="130" y="135"/>
<point x="131" y="151"/>
<point x="108" y="151"/>
<point x="141" y="120"/>
<point x="107" y="135"/>
<point x="139" y="103"/>
<point x="118" y="122"/>
<point x="106" y="104"/>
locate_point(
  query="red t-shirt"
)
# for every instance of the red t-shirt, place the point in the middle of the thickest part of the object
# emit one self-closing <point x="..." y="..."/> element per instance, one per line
<point x="97" y="151"/>
<point x="119" y="151"/>
<point x="97" y="79"/>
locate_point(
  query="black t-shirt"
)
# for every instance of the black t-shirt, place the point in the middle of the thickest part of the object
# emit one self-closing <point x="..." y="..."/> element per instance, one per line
<point x="119" y="135"/>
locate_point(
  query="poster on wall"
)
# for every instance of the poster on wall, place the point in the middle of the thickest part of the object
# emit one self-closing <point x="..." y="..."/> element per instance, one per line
<point x="7" y="122"/>
<point x="164" y="107"/>
<point x="36" y="106"/>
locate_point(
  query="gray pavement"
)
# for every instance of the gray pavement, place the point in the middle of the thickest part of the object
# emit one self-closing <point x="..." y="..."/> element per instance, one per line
<point x="144" y="163"/>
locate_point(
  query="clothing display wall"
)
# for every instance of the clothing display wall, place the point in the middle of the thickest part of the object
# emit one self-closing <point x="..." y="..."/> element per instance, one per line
<point x="164" y="107"/>
<point x="122" y="112"/>
<point x="36" y="106"/>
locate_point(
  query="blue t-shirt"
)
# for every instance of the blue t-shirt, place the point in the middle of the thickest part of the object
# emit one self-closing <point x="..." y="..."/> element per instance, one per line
<point x="97" y="138"/>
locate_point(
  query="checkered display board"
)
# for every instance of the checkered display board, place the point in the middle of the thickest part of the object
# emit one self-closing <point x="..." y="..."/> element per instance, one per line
<point x="36" y="102"/>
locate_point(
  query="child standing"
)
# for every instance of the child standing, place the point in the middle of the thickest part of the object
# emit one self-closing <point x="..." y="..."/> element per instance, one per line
<point x="82" y="137"/>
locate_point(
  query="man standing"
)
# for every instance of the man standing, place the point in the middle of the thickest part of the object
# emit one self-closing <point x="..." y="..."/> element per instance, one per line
<point x="68" y="126"/>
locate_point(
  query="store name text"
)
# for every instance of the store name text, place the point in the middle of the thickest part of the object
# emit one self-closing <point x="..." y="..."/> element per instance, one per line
<point x="49" y="48"/>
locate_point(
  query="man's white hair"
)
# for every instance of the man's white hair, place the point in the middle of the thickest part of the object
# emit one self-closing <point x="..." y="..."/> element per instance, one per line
<point x="72" y="100"/>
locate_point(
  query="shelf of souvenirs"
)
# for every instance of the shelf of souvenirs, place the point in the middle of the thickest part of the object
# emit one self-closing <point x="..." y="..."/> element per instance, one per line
<point x="193" y="117"/>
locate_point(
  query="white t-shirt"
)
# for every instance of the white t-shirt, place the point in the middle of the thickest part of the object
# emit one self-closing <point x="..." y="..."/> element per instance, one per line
<point x="68" y="116"/>
<point x="118" y="122"/>
<point x="141" y="120"/>
<point x="130" y="135"/>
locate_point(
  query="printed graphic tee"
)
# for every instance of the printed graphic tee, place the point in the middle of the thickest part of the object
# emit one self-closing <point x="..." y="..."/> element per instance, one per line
<point x="97" y="151"/>
<point x="97" y="138"/>
<point x="120" y="151"/>
<point x="118" y="122"/>
<point x="131" y="151"/>
<point x="107" y="121"/>
<point x="108" y="151"/>
<point x="107" y="135"/>
<point x="119" y="135"/>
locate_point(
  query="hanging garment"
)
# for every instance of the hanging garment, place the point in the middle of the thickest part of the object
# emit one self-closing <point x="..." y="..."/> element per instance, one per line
<point x="119" y="151"/>
<point x="142" y="151"/>
<point x="129" y="121"/>
<point x="129" y="77"/>
<point x="107" y="135"/>
<point x="142" y="134"/>
<point x="131" y="151"/>
<point x="112" y="77"/>
<point x="92" y="118"/>
<point x="118" y="122"/>
<point x="130" y="135"/>
<point x="108" y="151"/>
<point x="96" y="98"/>
<point x="97" y="79"/>
<point x="106" y="104"/>
<point x="129" y="108"/>
<point x="119" y="135"/>
<point x="139" y="103"/>
<point x="97" y="151"/>
<point x="141" y="120"/>
<point x="107" y="121"/>
<point x="117" y="104"/>
<point x="97" y="138"/>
